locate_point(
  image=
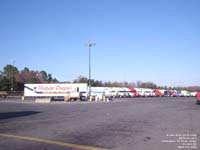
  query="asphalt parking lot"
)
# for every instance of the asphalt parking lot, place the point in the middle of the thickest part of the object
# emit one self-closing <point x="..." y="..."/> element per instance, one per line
<point x="122" y="124"/>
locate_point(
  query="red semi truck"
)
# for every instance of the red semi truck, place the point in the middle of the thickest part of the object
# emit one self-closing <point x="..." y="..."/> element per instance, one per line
<point x="198" y="97"/>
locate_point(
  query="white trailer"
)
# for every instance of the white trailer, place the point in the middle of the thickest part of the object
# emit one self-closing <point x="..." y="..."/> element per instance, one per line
<point x="67" y="90"/>
<point x="193" y="94"/>
<point x="148" y="92"/>
<point x="185" y="93"/>
<point x="140" y="91"/>
<point x="101" y="93"/>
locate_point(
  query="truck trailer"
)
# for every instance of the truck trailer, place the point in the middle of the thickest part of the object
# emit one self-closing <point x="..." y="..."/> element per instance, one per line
<point x="69" y="91"/>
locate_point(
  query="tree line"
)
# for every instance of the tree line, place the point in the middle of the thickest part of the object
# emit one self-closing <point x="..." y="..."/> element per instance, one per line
<point x="11" y="79"/>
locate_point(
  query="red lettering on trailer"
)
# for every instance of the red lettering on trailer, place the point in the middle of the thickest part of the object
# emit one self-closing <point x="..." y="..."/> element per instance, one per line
<point x="41" y="87"/>
<point x="64" y="88"/>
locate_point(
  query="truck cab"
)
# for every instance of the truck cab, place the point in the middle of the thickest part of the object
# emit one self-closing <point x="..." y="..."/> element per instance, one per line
<point x="198" y="97"/>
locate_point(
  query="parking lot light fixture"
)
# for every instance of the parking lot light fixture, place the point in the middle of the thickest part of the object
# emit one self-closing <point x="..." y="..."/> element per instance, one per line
<point x="89" y="80"/>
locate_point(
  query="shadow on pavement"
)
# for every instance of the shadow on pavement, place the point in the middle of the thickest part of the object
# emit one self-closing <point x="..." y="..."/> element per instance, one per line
<point x="7" y="115"/>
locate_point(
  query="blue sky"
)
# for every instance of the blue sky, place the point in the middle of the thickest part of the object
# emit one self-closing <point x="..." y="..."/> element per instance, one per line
<point x="136" y="40"/>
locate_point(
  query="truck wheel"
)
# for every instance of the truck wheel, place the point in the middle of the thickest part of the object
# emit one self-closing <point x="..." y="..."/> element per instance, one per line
<point x="198" y="102"/>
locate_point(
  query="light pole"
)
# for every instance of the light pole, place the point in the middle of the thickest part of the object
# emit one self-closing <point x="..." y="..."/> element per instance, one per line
<point x="89" y="81"/>
<point x="12" y="75"/>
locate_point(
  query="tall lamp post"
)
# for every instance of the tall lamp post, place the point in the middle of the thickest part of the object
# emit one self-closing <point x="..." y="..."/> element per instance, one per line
<point x="12" y="75"/>
<point x="89" y="82"/>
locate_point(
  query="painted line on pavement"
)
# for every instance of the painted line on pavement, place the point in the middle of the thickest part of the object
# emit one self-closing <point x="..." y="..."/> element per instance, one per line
<point x="59" y="143"/>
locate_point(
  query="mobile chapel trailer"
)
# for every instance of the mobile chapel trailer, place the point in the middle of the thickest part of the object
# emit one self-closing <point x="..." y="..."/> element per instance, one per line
<point x="67" y="90"/>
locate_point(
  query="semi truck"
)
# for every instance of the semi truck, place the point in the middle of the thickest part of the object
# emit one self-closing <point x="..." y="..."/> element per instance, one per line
<point x="198" y="97"/>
